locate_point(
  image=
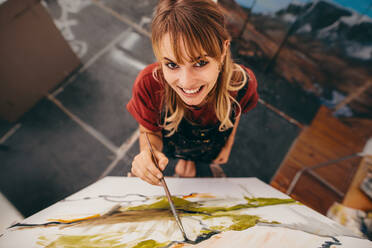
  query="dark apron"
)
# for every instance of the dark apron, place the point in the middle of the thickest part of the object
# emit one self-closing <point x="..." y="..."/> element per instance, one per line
<point x="195" y="142"/>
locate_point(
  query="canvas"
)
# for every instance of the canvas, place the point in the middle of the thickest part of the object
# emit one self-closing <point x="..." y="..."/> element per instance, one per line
<point x="223" y="212"/>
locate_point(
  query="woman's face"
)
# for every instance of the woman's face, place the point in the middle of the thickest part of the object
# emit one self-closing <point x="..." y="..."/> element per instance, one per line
<point x="192" y="80"/>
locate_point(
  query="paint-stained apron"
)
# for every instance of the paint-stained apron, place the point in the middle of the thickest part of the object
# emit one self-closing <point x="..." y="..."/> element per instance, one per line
<point x="194" y="142"/>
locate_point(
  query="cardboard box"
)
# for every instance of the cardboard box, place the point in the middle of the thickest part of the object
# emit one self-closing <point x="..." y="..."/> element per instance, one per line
<point x="34" y="56"/>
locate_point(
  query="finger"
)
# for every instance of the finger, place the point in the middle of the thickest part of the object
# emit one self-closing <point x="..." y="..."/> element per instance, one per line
<point x="143" y="175"/>
<point x="147" y="179"/>
<point x="133" y="171"/>
<point x="189" y="167"/>
<point x="162" y="160"/>
<point x="180" y="167"/>
<point x="136" y="165"/>
<point x="136" y="172"/>
<point x="152" y="178"/>
<point x="217" y="171"/>
<point x="154" y="171"/>
<point x="147" y="166"/>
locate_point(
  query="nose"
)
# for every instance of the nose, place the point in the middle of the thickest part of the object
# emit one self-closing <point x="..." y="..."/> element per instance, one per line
<point x="186" y="78"/>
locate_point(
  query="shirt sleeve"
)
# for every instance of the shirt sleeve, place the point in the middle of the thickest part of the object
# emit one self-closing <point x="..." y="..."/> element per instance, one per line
<point x="250" y="98"/>
<point x="144" y="105"/>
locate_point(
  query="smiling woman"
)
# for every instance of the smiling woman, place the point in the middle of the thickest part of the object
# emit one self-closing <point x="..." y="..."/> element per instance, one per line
<point x="190" y="101"/>
<point x="192" y="80"/>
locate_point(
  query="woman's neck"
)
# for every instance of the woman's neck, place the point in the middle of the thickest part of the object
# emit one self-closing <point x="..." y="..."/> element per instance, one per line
<point x="195" y="107"/>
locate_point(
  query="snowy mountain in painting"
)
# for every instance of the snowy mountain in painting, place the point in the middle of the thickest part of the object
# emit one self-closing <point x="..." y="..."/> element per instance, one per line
<point x="336" y="25"/>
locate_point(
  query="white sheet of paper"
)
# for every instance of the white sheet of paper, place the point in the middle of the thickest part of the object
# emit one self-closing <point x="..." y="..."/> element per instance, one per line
<point x="299" y="225"/>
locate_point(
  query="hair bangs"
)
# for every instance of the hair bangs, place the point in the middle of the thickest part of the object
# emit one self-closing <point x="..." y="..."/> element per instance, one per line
<point x="191" y="41"/>
<point x="188" y="36"/>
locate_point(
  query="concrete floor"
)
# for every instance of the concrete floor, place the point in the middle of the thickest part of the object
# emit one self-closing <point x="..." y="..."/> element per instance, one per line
<point x="83" y="131"/>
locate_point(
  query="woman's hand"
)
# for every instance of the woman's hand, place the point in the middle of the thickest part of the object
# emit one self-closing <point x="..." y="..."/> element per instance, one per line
<point x="144" y="167"/>
<point x="223" y="156"/>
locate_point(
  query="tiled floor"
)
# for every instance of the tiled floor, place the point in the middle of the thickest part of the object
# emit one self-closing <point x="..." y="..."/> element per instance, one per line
<point x="67" y="141"/>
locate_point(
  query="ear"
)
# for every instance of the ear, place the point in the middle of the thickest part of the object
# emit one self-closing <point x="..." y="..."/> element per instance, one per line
<point x="226" y="45"/>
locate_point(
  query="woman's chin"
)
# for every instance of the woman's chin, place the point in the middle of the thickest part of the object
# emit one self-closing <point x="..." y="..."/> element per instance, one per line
<point x="192" y="102"/>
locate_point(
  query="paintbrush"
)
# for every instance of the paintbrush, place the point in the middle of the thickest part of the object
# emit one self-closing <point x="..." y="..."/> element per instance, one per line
<point x="164" y="184"/>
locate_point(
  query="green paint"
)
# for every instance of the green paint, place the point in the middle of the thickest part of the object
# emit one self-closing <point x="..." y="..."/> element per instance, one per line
<point x="240" y="222"/>
<point x="85" y="241"/>
<point x="96" y="241"/>
<point x="150" y="244"/>
<point x="260" y="202"/>
<point x="251" y="203"/>
<point x="179" y="203"/>
<point x="206" y="231"/>
<point x="218" y="228"/>
<point x="196" y="207"/>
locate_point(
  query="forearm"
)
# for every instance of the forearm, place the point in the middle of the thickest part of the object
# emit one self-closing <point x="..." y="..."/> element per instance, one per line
<point x="155" y="139"/>
<point x="224" y="154"/>
<point x="231" y="139"/>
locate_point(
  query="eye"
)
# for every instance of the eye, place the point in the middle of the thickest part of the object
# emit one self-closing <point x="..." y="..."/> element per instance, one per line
<point x="171" y="65"/>
<point x="201" y="63"/>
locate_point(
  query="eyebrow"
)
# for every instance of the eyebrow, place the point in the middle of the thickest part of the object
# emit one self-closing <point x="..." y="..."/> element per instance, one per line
<point x="200" y="57"/>
<point x="196" y="59"/>
<point x="168" y="59"/>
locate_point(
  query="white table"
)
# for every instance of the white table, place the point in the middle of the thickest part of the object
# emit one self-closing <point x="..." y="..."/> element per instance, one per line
<point x="295" y="225"/>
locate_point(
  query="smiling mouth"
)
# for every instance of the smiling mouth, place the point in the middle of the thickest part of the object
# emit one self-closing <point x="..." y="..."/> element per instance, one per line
<point x="191" y="91"/>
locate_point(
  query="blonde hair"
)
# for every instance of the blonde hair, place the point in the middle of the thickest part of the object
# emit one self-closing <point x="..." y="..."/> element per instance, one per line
<point x="200" y="26"/>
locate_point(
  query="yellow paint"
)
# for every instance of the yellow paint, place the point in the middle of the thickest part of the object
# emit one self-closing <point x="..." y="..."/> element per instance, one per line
<point x="218" y="228"/>
<point x="199" y="195"/>
<point x="179" y="203"/>
<point x="149" y="244"/>
<point x="96" y="241"/>
<point x="205" y="231"/>
<point x="240" y="221"/>
<point x="189" y="206"/>
<point x="158" y="209"/>
<point x="260" y="202"/>
<point x="85" y="241"/>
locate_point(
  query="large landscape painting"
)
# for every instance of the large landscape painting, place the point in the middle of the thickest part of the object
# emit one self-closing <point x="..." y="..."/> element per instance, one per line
<point x="325" y="47"/>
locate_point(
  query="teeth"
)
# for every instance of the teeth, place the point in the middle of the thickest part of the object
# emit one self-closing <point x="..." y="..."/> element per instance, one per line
<point x="191" y="91"/>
